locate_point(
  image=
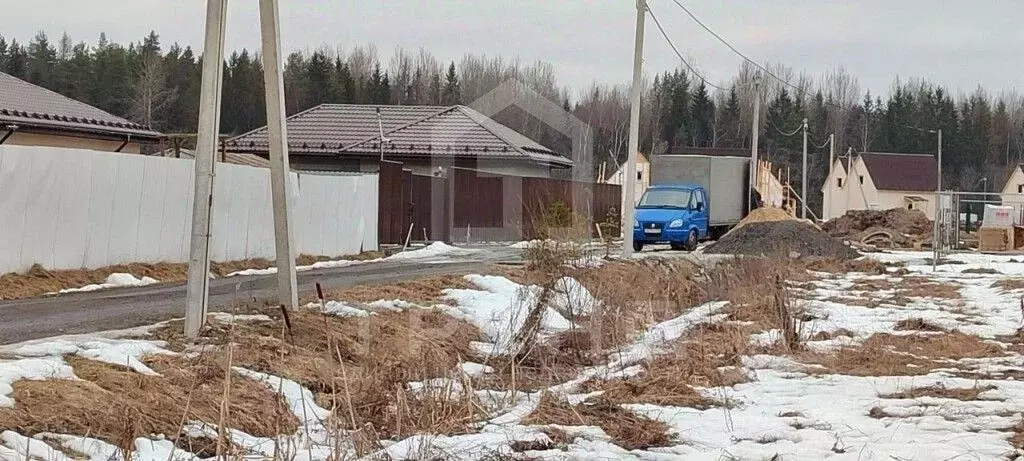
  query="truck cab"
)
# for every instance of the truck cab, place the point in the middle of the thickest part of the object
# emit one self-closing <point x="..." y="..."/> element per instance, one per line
<point x="676" y="214"/>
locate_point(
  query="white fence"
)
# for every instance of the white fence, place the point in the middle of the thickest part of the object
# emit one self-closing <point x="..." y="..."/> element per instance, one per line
<point x="69" y="209"/>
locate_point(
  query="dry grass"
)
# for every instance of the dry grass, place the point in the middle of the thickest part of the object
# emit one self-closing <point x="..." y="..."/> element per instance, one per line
<point x="635" y="295"/>
<point x="359" y="366"/>
<point x="626" y="429"/>
<point x="862" y="265"/>
<point x="38" y="281"/>
<point x="917" y="324"/>
<point x="697" y="360"/>
<point x="827" y="335"/>
<point x="884" y="354"/>
<point x="942" y="392"/>
<point x="425" y="291"/>
<point x="758" y="292"/>
<point x="872" y="285"/>
<point x="1009" y="284"/>
<point x="117" y="405"/>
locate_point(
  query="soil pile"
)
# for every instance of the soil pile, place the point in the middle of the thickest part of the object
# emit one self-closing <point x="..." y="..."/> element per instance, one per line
<point x="790" y="238"/>
<point x="898" y="220"/>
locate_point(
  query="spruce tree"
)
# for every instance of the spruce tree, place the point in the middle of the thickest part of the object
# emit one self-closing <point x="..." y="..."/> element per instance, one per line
<point x="452" y="94"/>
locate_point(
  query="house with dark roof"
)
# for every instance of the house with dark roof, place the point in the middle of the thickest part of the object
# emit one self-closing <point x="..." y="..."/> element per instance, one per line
<point x="881" y="181"/>
<point x="426" y="139"/>
<point x="31" y="115"/>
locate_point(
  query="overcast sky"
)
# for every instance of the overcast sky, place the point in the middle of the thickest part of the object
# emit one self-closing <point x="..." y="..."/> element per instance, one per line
<point x="959" y="43"/>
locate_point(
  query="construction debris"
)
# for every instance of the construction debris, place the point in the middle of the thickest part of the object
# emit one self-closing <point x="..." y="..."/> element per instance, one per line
<point x="895" y="228"/>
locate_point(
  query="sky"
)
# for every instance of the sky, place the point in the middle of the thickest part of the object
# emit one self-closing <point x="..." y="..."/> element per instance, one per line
<point x="959" y="44"/>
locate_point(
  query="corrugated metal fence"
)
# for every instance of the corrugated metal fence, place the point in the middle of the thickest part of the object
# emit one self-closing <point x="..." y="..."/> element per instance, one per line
<point x="72" y="208"/>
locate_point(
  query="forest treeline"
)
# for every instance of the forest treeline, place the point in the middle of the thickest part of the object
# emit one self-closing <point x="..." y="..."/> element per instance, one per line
<point x="158" y="85"/>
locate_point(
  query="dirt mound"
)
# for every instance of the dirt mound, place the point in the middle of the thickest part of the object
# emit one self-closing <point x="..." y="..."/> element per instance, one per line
<point x="900" y="220"/>
<point x="791" y="238"/>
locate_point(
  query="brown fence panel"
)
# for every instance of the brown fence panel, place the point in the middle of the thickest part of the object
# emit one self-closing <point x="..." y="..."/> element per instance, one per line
<point x="391" y="203"/>
<point x="606" y="201"/>
<point x="479" y="200"/>
<point x="429" y="208"/>
<point x="541" y="194"/>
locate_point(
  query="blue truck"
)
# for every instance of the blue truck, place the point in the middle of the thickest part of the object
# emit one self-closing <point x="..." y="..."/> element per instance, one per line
<point x="692" y="198"/>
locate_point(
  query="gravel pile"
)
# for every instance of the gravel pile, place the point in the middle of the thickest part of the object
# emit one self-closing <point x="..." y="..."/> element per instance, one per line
<point x="793" y="239"/>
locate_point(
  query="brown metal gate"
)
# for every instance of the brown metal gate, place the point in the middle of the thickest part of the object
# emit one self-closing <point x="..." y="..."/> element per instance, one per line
<point x="393" y="203"/>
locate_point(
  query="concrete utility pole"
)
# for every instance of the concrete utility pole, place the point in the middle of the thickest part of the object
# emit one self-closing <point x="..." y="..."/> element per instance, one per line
<point x="197" y="294"/>
<point x="755" y="131"/>
<point x="280" y="185"/>
<point x="803" y="178"/>
<point x="939" y="188"/>
<point x="629" y="185"/>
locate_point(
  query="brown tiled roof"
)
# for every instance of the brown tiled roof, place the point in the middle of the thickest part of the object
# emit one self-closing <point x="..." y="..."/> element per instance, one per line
<point x="31" y="106"/>
<point x="409" y="131"/>
<point x="904" y="172"/>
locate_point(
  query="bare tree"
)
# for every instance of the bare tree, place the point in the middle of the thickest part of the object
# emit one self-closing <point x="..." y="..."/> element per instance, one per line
<point x="150" y="94"/>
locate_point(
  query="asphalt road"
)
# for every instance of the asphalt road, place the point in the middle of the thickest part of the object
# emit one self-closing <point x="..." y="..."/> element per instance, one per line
<point x="122" y="308"/>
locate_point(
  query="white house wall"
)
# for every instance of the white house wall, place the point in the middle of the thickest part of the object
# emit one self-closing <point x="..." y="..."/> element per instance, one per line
<point x="856" y="196"/>
<point x="73" y="208"/>
<point x="1009" y="195"/>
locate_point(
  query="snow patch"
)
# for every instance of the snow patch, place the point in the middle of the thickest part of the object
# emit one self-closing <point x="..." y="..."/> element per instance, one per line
<point x="115" y="280"/>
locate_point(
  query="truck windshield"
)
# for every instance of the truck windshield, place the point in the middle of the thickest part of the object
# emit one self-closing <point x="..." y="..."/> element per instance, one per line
<point x="665" y="198"/>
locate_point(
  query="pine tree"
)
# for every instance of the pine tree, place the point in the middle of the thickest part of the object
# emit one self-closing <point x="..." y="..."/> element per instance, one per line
<point x="17" y="60"/>
<point x="42" y="62"/>
<point x="703" y="115"/>
<point x="452" y="94"/>
<point x="318" y="78"/>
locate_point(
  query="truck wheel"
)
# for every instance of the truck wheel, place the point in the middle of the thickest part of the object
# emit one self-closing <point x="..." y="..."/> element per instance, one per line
<point x="638" y="246"/>
<point x="691" y="241"/>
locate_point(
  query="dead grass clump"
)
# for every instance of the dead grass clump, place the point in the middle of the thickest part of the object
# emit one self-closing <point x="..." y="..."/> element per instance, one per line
<point x="118" y="405"/>
<point x="425" y="291"/>
<point x="701" y="359"/>
<point x="360" y="366"/>
<point x="884" y="354"/>
<point x="626" y="428"/>
<point x="834" y="266"/>
<point x="919" y="287"/>
<point x="1009" y="284"/>
<point x="872" y="285"/>
<point x="827" y="335"/>
<point x="635" y="295"/>
<point x="942" y="392"/>
<point x="309" y="260"/>
<point x="38" y="281"/>
<point x="917" y="324"/>
<point x="980" y="270"/>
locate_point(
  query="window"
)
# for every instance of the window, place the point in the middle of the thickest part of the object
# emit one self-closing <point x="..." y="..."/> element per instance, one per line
<point x="839" y="182"/>
<point x="665" y="198"/>
<point x="862" y="179"/>
<point x="698" y="197"/>
<point x="1020" y="188"/>
<point x="639" y="176"/>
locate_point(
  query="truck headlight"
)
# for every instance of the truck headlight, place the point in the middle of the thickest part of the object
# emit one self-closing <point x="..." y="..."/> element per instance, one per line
<point x="676" y="223"/>
<point x="636" y="224"/>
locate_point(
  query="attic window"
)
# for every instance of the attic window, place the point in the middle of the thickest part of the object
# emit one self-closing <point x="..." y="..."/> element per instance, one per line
<point x="839" y="182"/>
<point x="862" y="179"/>
<point x="1020" y="188"/>
<point x="639" y="176"/>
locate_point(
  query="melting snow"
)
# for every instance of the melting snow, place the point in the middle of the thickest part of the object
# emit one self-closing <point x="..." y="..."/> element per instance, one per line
<point x="115" y="280"/>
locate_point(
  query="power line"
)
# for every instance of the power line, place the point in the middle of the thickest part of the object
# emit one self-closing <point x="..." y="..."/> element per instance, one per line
<point x="680" y="55"/>
<point x="734" y="50"/>
<point x="797" y="130"/>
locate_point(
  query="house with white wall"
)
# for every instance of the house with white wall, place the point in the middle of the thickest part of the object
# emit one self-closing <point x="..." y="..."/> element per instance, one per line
<point x="880" y="181"/>
<point x="643" y="177"/>
<point x="1012" y="193"/>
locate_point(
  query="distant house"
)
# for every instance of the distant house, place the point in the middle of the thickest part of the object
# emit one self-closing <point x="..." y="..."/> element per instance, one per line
<point x="643" y="176"/>
<point x="426" y="139"/>
<point x="31" y="115"/>
<point x="881" y="181"/>
<point x="1012" y="193"/>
